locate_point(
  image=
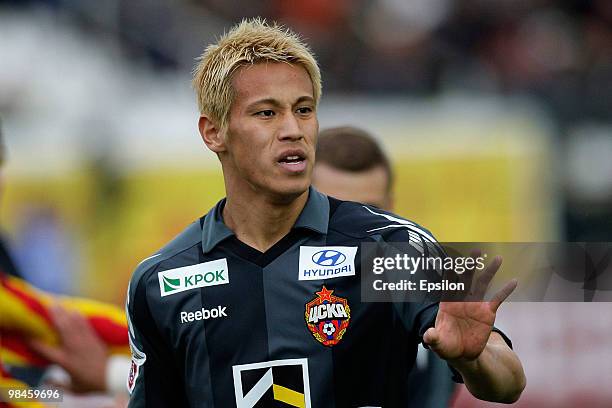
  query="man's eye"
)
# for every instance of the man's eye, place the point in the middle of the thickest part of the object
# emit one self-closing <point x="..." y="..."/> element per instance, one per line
<point x="267" y="113"/>
<point x="304" y="110"/>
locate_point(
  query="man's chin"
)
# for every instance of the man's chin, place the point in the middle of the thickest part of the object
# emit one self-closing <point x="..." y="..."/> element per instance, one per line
<point x="288" y="192"/>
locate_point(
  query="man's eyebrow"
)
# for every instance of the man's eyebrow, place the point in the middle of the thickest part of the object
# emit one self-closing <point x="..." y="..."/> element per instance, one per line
<point x="305" y="98"/>
<point x="277" y="103"/>
<point x="265" y="101"/>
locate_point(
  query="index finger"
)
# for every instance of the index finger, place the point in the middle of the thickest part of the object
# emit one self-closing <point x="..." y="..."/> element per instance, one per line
<point x="503" y="294"/>
<point x="60" y="317"/>
<point x="68" y="323"/>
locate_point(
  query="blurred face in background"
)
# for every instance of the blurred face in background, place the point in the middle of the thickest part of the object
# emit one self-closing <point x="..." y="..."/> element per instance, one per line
<point x="368" y="186"/>
<point x="2" y="158"/>
<point x="271" y="136"/>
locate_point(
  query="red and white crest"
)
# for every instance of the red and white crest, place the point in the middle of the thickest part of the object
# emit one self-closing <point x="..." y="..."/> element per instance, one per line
<point x="327" y="317"/>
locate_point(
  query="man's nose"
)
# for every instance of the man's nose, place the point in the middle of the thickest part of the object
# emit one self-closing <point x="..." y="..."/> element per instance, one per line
<point x="290" y="128"/>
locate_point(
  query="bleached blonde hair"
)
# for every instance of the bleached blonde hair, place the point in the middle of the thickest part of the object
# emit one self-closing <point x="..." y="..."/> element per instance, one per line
<point x="249" y="42"/>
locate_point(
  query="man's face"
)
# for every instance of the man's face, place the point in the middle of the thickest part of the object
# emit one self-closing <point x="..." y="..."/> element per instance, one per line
<point x="368" y="187"/>
<point x="272" y="129"/>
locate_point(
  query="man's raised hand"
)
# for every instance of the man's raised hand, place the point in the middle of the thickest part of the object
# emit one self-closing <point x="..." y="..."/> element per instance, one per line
<point x="462" y="329"/>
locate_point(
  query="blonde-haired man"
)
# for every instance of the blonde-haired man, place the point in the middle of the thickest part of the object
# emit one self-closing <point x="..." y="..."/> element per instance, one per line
<point x="258" y="303"/>
<point x="250" y="42"/>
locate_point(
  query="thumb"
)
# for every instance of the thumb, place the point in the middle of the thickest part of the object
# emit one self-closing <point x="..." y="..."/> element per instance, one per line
<point x="431" y="337"/>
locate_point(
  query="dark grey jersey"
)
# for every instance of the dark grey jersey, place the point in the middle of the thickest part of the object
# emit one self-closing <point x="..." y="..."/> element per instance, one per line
<point x="216" y="323"/>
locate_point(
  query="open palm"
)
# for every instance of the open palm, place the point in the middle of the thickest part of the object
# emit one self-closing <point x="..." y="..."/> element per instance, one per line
<point x="462" y="329"/>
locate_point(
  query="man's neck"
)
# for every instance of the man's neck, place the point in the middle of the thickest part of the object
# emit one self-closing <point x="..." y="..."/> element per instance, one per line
<point x="259" y="221"/>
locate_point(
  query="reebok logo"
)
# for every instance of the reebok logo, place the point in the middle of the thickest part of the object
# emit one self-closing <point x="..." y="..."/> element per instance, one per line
<point x="201" y="275"/>
<point x="203" y="314"/>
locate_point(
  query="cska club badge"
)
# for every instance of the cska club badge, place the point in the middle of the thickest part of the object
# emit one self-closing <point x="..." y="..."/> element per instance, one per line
<point x="327" y="317"/>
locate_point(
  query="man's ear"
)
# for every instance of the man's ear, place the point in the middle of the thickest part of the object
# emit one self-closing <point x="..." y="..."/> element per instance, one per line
<point x="211" y="134"/>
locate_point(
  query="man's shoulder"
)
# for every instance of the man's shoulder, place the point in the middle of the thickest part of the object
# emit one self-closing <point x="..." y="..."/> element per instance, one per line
<point x="361" y="221"/>
<point x="182" y="250"/>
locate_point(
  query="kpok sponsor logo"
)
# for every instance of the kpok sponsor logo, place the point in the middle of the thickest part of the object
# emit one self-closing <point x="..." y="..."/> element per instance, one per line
<point x="201" y="275"/>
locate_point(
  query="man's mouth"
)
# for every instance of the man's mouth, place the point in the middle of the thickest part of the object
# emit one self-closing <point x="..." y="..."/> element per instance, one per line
<point x="292" y="159"/>
<point x="293" y="162"/>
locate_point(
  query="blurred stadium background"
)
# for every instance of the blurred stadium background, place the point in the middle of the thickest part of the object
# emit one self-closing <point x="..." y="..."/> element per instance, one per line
<point x="497" y="116"/>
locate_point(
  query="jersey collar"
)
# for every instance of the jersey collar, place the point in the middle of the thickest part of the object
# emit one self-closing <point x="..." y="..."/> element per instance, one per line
<point x="314" y="216"/>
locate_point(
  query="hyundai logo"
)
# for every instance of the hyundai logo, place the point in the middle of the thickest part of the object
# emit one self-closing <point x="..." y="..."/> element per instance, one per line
<point x="328" y="257"/>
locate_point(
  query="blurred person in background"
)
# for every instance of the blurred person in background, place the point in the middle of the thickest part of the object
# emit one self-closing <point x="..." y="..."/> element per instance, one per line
<point x="350" y="165"/>
<point x="74" y="343"/>
<point x="7" y="265"/>
<point x="199" y="338"/>
<point x="43" y="250"/>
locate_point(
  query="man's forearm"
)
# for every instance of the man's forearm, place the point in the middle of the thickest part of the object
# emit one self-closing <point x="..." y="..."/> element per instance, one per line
<point x="496" y="375"/>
